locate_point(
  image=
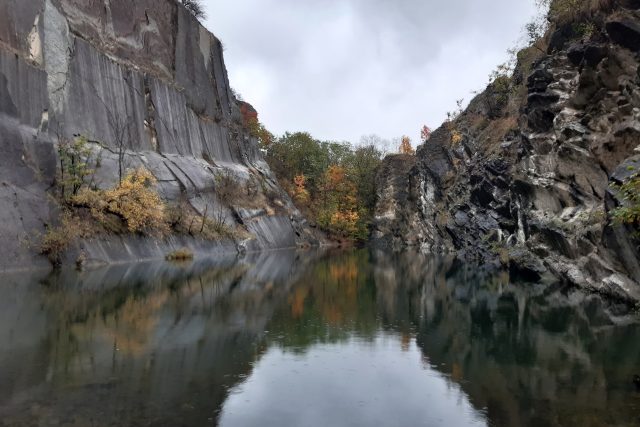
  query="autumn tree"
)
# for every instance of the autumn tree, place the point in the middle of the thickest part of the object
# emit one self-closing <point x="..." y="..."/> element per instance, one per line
<point x="301" y="194"/>
<point x="251" y="122"/>
<point x="363" y="167"/>
<point x="405" y="146"/>
<point x="338" y="203"/>
<point x="425" y="133"/>
<point x="332" y="182"/>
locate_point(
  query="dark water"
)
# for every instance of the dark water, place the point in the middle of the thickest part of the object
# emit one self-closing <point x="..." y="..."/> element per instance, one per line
<point x="283" y="339"/>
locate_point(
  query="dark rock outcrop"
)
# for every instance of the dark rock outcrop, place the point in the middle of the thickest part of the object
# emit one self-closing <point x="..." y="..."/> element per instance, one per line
<point x="529" y="186"/>
<point x="69" y="67"/>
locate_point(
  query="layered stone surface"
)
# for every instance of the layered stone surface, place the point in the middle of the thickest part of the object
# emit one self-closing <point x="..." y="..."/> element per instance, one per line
<point x="532" y="183"/>
<point x="92" y="68"/>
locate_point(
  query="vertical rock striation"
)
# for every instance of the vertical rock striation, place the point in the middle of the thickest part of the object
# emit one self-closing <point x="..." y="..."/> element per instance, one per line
<point x="76" y="67"/>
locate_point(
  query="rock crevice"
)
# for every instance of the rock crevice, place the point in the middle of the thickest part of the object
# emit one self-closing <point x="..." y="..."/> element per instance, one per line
<point x="529" y="186"/>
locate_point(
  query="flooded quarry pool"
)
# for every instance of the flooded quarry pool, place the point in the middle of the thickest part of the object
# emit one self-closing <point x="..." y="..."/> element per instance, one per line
<point x="359" y="338"/>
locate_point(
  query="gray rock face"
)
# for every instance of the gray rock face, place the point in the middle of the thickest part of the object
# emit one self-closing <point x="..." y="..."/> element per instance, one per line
<point x="71" y="67"/>
<point x="529" y="186"/>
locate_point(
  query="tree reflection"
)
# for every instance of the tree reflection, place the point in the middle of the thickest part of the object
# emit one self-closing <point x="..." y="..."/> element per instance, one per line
<point x="168" y="343"/>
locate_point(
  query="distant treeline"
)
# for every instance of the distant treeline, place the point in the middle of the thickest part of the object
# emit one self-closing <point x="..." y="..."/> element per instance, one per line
<point x="332" y="183"/>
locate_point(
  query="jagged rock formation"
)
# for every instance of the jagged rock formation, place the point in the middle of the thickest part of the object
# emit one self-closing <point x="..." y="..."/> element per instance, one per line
<point x="70" y="67"/>
<point x="529" y="186"/>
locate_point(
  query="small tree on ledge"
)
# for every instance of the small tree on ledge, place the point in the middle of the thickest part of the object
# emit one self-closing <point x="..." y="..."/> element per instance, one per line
<point x="405" y="146"/>
<point x="425" y="133"/>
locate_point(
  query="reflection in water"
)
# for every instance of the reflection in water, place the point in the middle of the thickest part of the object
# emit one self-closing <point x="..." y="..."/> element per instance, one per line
<point x="286" y="339"/>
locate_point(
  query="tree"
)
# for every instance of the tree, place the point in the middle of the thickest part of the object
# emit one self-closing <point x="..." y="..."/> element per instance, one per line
<point x="195" y="7"/>
<point x="120" y="125"/>
<point x="338" y="204"/>
<point x="405" y="146"/>
<point x="384" y="146"/>
<point x="301" y="195"/>
<point x="74" y="155"/>
<point x="425" y="133"/>
<point x="362" y="169"/>
<point x="333" y="182"/>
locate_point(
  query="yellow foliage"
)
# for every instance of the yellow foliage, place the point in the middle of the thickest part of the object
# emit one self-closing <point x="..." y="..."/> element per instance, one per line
<point x="456" y="137"/>
<point x="345" y="221"/>
<point x="405" y="146"/>
<point x="58" y="239"/>
<point x="301" y="195"/>
<point x="137" y="202"/>
<point x="183" y="254"/>
<point x="335" y="177"/>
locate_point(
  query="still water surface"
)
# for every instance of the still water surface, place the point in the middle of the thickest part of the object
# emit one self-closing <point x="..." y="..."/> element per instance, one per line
<point x="287" y="339"/>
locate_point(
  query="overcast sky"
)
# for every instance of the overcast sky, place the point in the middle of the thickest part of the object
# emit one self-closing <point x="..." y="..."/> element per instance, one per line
<point x="340" y="69"/>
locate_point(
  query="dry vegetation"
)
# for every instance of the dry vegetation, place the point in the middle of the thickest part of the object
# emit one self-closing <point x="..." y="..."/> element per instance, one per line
<point x="133" y="206"/>
<point x="183" y="254"/>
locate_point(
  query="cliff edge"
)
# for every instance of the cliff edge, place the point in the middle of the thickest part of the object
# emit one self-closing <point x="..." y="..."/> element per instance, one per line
<point x="525" y="178"/>
<point x="145" y="83"/>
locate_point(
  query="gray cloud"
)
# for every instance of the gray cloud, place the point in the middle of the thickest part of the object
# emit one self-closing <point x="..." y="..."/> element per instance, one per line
<point x="344" y="68"/>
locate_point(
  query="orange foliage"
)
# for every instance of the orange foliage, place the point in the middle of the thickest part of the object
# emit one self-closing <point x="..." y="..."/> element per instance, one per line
<point x="339" y="203"/>
<point x="335" y="177"/>
<point x="300" y="194"/>
<point x="406" y="147"/>
<point x="346" y="221"/>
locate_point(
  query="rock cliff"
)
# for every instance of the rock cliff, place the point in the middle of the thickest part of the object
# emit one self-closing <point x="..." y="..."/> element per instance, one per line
<point x="76" y="67"/>
<point x="528" y="182"/>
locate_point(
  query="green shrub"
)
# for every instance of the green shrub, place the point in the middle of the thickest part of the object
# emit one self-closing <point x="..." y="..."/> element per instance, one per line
<point x="74" y="157"/>
<point x="629" y="212"/>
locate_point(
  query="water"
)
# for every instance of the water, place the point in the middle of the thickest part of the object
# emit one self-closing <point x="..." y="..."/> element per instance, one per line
<point x="283" y="339"/>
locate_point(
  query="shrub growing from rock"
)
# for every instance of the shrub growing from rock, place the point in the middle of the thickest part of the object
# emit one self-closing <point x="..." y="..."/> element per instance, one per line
<point x="135" y="200"/>
<point x="629" y="212"/>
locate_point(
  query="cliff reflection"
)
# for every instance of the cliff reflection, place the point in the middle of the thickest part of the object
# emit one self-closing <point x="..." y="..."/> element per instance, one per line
<point x="161" y="344"/>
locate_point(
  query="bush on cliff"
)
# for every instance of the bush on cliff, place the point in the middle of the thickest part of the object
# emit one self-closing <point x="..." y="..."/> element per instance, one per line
<point x="135" y="200"/>
<point x="73" y="168"/>
<point x="629" y="212"/>
<point x="56" y="240"/>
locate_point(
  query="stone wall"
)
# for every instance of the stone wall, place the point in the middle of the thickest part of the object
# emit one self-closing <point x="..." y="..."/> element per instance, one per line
<point x="71" y="67"/>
